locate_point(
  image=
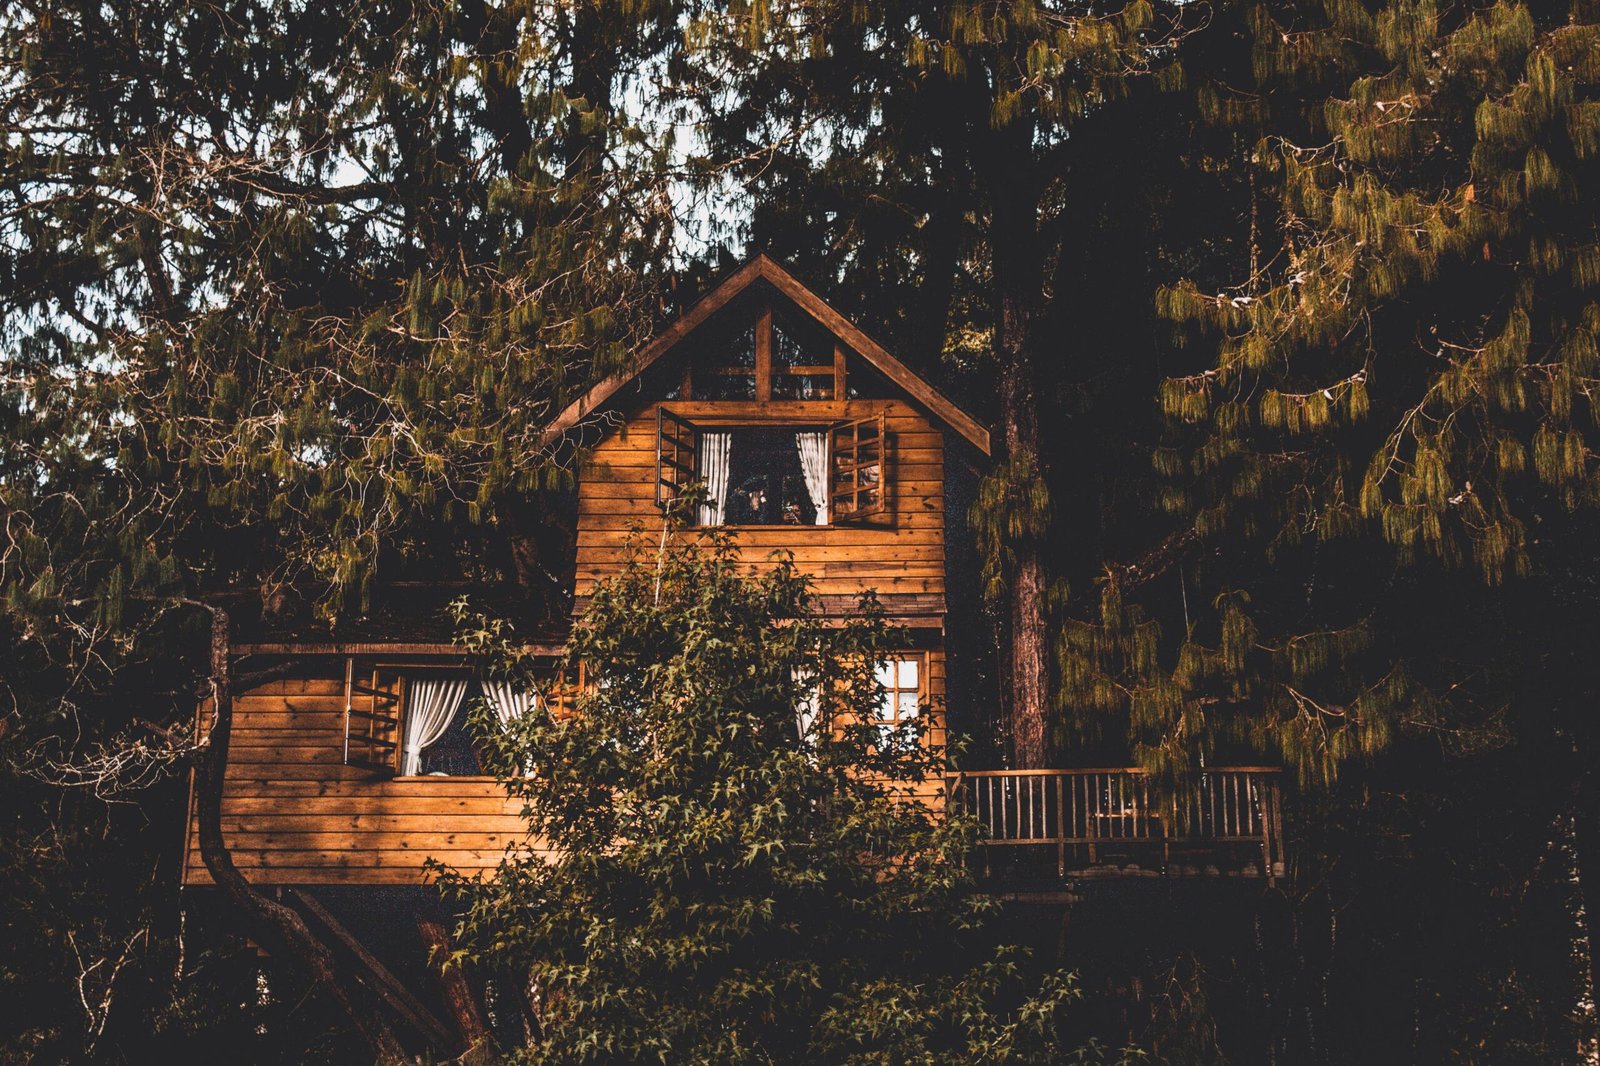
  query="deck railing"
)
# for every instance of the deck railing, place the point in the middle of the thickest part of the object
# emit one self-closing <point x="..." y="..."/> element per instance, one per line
<point x="1122" y="820"/>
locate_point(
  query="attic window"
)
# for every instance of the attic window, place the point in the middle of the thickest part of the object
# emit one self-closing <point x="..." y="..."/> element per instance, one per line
<point x="779" y="355"/>
<point x="806" y="363"/>
<point x="411" y="719"/>
<point x="732" y="368"/>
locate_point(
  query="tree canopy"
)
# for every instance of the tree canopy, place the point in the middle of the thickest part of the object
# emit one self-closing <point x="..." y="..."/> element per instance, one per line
<point x="722" y="866"/>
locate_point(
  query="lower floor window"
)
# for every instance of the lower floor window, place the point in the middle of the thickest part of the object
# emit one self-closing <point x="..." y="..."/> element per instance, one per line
<point x="432" y="707"/>
<point x="413" y="720"/>
<point x="895" y="716"/>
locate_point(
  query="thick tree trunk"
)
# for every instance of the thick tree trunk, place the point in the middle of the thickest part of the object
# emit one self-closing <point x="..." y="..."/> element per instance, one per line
<point x="1018" y="273"/>
<point x="278" y="928"/>
<point x="1030" y="646"/>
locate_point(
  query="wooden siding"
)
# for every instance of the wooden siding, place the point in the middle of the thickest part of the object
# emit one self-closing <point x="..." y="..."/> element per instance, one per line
<point x="292" y="813"/>
<point x="898" y="553"/>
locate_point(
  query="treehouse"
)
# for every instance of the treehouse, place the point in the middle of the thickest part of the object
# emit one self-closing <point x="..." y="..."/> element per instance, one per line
<point x="354" y="764"/>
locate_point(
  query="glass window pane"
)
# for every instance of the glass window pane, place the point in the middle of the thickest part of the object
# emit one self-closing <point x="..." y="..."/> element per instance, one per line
<point x="713" y="386"/>
<point x="742" y="351"/>
<point x="908" y="673"/>
<point x="885" y="672"/>
<point x="797" y="341"/>
<point x="802" y="386"/>
<point x="765" y="481"/>
<point x="908" y="705"/>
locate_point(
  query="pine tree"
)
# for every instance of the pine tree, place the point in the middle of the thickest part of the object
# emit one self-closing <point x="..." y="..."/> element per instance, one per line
<point x="288" y="294"/>
<point x="1383" y="426"/>
<point x="938" y="142"/>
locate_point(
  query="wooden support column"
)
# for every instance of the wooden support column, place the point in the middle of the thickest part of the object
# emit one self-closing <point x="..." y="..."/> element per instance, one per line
<point x="764" y="356"/>
<point x="386" y="984"/>
<point x="458" y="995"/>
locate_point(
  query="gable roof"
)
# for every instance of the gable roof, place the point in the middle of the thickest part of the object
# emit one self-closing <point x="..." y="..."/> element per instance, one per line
<point x="764" y="268"/>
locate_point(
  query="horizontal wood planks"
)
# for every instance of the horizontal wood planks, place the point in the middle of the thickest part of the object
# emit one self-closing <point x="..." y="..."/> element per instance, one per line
<point x="292" y="813"/>
<point x="901" y="552"/>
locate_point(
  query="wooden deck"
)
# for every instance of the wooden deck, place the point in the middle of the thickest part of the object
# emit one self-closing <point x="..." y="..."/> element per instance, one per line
<point x="1042" y="826"/>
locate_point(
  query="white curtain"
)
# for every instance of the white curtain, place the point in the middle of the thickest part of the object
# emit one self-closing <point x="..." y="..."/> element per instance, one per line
<point x="813" y="449"/>
<point x="805" y="715"/>
<point x="714" y="451"/>
<point x="433" y="702"/>
<point x="508" y="701"/>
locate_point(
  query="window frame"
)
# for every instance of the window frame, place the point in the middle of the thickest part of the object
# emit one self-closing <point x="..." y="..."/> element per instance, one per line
<point x="837" y="448"/>
<point x="924" y="709"/>
<point x="671" y="477"/>
<point x="675" y="435"/>
<point x="766" y="370"/>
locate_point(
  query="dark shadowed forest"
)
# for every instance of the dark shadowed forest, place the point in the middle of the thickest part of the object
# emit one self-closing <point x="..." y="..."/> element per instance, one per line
<point x="1263" y="337"/>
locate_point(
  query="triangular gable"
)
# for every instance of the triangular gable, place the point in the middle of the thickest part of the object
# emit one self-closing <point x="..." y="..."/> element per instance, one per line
<point x="762" y="267"/>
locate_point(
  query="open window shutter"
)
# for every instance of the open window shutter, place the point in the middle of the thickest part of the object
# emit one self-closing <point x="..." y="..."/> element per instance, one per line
<point x="677" y="455"/>
<point x="561" y="693"/>
<point x="858" y="458"/>
<point x="374" y="700"/>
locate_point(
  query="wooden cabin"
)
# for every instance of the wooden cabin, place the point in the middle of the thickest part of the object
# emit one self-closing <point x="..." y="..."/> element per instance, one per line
<point x="356" y="767"/>
<point x="809" y="436"/>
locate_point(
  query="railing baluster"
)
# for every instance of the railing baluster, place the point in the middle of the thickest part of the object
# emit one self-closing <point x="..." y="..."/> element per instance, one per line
<point x="1227" y="796"/>
<point x="1061" y="832"/>
<point x="1239" y="804"/>
<point x="1000" y="788"/>
<point x="1033" y="803"/>
<point x="1078" y="811"/>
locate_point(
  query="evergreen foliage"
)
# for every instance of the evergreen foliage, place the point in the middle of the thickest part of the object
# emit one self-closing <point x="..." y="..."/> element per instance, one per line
<point x="1306" y="291"/>
<point x="1399" y="381"/>
<point x="930" y="149"/>
<point x="287" y="294"/>
<point x="287" y="290"/>
<point x="728" y="885"/>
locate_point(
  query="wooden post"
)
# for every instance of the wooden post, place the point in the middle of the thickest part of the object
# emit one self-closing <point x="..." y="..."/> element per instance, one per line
<point x="464" y="1009"/>
<point x="390" y="987"/>
<point x="1092" y="814"/>
<point x="764" y="355"/>
<point x="271" y="923"/>
<point x="1061" y="827"/>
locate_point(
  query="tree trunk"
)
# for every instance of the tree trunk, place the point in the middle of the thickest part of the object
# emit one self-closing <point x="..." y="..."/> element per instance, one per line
<point x="276" y="927"/>
<point x="458" y="997"/>
<point x="1018" y="275"/>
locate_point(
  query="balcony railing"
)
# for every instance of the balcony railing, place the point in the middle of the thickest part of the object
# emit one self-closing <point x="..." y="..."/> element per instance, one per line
<point x="1124" y="822"/>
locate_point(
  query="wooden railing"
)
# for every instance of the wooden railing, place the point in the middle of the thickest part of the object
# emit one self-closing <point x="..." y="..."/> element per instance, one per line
<point x="1226" y="820"/>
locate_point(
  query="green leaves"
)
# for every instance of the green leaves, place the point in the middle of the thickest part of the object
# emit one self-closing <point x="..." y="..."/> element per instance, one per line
<point x="1402" y="380"/>
<point x="711" y="877"/>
